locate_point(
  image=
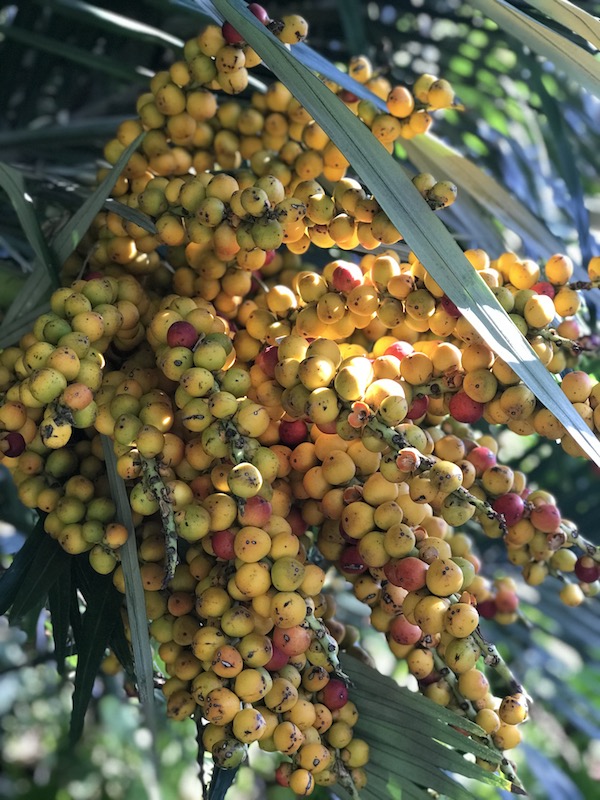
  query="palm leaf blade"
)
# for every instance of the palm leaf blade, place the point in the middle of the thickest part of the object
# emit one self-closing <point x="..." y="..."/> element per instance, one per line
<point x="134" y="592"/>
<point x="574" y="61"/>
<point x="404" y="730"/>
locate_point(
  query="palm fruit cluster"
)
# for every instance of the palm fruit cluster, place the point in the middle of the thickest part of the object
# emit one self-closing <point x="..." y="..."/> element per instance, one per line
<point x="275" y="423"/>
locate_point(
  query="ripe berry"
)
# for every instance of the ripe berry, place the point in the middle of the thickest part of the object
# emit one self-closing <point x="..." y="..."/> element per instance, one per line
<point x="587" y="570"/>
<point x="545" y="518"/>
<point x="409" y="573"/>
<point x="418" y="407"/>
<point x="334" y="695"/>
<point x="463" y="409"/>
<point x="293" y="433"/>
<point x="482" y="458"/>
<point x="232" y="36"/>
<point x="543" y="287"/>
<point x="347" y="276"/>
<point x="222" y="544"/>
<point x="487" y="609"/>
<point x="403" y="632"/>
<point x="12" y="444"/>
<point x="182" y="334"/>
<point x="259" y="12"/>
<point x="399" y="350"/>
<point x="267" y="360"/>
<point x="351" y="561"/>
<point x="511" y="506"/>
<point x="255" y="511"/>
<point x="277" y="660"/>
<point x="506" y="601"/>
<point x="298" y="524"/>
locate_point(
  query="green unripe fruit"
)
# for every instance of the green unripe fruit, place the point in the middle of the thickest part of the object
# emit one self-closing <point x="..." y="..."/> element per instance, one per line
<point x="126" y="429"/>
<point x="210" y="355"/>
<point x="461" y="655"/>
<point x="267" y="233"/>
<point x="229" y="753"/>
<point x="193" y="522"/>
<point x="287" y="574"/>
<point x="47" y="384"/>
<point x="55" y="329"/>
<point x="175" y="361"/>
<point x="101" y="560"/>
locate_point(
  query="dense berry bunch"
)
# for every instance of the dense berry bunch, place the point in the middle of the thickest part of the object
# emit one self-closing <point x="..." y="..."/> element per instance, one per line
<point x="271" y="420"/>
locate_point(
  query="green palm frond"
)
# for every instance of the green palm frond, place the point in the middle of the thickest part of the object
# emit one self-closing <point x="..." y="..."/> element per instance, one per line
<point x="414" y="743"/>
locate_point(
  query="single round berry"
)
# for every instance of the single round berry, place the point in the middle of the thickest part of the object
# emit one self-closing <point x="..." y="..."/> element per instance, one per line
<point x="463" y="409"/>
<point x="587" y="570"/>
<point x="222" y="543"/>
<point x="12" y="444"/>
<point x="182" y="334"/>
<point x="293" y="433"/>
<point x="351" y="561"/>
<point x="335" y="694"/>
<point x="511" y="506"/>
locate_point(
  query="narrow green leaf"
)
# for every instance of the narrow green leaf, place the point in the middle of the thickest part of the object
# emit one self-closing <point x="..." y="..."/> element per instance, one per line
<point x="77" y="55"/>
<point x="75" y="130"/>
<point x="121" y="648"/>
<point x="47" y="567"/>
<point x="130" y="214"/>
<point x="12" y="281"/>
<point x="98" y="623"/>
<point x="12" y="510"/>
<point x="422" y="229"/>
<point x="572" y="18"/>
<point x="204" y="7"/>
<point x="11" y="180"/>
<point x="112" y="22"/>
<point x="36" y="289"/>
<point x="60" y="597"/>
<point x="573" y="60"/>
<point x="401" y="726"/>
<point x="11" y="331"/>
<point x="67" y="239"/>
<point x="134" y="592"/>
<point x="417" y="769"/>
<point x="352" y="15"/>
<point x="89" y="583"/>
<point x="15" y="575"/>
<point x="430" y="154"/>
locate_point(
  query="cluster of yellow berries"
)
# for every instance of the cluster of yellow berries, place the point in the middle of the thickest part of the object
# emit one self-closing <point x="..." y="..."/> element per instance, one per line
<point x="271" y="419"/>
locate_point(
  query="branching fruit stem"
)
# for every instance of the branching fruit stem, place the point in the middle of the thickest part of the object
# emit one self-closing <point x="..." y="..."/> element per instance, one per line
<point x="157" y="488"/>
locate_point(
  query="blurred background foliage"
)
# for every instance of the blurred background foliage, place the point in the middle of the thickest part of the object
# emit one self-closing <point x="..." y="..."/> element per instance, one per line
<point x="71" y="72"/>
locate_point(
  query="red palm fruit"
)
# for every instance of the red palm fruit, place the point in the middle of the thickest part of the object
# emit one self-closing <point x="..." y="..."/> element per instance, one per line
<point x="182" y="334"/>
<point x="463" y="409"/>
<point x="222" y="544"/>
<point x="511" y="506"/>
<point x="403" y="632"/>
<point x="334" y="695"/>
